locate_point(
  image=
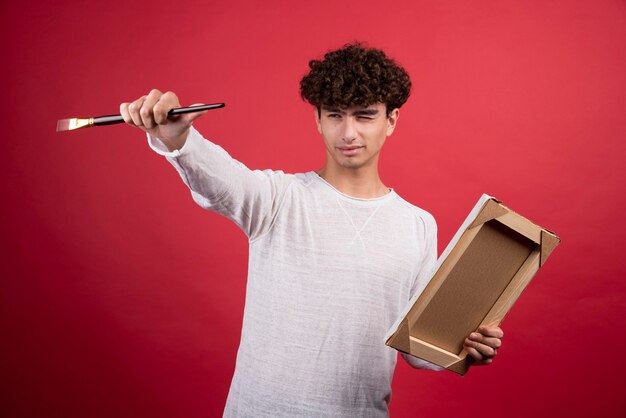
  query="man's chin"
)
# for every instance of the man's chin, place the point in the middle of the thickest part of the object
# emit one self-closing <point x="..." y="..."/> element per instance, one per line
<point x="352" y="165"/>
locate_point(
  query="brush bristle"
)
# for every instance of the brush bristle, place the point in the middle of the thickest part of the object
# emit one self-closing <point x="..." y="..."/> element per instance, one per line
<point x="63" y="125"/>
<point x="74" y="123"/>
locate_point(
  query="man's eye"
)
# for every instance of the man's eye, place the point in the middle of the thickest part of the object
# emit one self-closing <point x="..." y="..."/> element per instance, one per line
<point x="363" y="117"/>
<point x="334" y="115"/>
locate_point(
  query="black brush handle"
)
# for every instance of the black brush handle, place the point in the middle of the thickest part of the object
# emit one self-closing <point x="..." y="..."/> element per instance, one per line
<point x="113" y="119"/>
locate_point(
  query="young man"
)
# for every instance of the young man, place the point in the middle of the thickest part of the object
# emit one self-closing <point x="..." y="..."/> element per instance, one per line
<point x="334" y="255"/>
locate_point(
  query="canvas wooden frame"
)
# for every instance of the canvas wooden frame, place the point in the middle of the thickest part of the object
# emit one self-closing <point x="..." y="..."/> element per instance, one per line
<point x="476" y="281"/>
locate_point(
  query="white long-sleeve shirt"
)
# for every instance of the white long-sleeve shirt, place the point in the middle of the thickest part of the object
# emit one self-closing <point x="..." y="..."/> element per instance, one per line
<point x="328" y="275"/>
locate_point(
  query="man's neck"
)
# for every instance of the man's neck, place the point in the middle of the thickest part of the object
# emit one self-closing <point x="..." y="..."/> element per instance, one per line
<point x="362" y="184"/>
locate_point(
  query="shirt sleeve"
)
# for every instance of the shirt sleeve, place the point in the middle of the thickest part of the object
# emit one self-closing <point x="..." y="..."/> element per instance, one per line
<point x="423" y="277"/>
<point x="429" y="255"/>
<point x="250" y="198"/>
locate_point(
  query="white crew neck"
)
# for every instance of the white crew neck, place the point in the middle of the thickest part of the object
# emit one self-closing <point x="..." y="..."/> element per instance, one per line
<point x="353" y="199"/>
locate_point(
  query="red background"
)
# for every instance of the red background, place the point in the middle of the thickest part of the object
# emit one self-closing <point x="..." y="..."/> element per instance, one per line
<point x="120" y="297"/>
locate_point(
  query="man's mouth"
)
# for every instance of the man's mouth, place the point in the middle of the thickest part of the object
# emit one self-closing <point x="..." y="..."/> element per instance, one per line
<point x="350" y="149"/>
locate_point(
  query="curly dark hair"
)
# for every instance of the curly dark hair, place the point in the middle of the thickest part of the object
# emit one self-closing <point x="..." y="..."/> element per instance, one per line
<point x="355" y="75"/>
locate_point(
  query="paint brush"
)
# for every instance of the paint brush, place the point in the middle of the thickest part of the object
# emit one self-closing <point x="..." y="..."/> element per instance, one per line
<point x="77" y="123"/>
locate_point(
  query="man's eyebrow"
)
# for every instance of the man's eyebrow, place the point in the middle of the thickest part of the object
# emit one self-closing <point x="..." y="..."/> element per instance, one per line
<point x="366" y="112"/>
<point x="358" y="112"/>
<point x="332" y="109"/>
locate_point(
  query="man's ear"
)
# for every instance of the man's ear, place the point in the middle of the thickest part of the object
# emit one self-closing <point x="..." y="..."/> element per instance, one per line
<point x="317" y="120"/>
<point x="392" y="120"/>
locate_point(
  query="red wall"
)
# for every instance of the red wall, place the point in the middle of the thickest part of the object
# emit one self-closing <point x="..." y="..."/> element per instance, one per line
<point x="120" y="297"/>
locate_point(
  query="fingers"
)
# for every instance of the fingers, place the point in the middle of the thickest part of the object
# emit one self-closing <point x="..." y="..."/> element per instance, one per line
<point x="134" y="108"/>
<point x="166" y="102"/>
<point x="130" y="112"/>
<point x="488" y="331"/>
<point x="126" y="113"/>
<point x="146" y="109"/>
<point x="149" y="111"/>
<point x="479" y="358"/>
<point x="483" y="344"/>
<point x="482" y="347"/>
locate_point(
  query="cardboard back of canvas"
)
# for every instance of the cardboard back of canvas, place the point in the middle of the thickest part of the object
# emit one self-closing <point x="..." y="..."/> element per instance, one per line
<point x="479" y="276"/>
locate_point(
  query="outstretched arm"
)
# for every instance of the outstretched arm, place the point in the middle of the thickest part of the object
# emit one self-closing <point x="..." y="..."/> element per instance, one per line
<point x="250" y="198"/>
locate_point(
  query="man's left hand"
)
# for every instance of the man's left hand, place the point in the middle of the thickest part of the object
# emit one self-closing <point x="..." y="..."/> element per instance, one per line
<point x="483" y="344"/>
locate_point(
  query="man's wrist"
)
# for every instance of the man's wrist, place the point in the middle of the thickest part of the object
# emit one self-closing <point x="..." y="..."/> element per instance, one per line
<point x="177" y="143"/>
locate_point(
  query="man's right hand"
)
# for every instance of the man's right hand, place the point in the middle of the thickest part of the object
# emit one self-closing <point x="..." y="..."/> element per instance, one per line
<point x="149" y="113"/>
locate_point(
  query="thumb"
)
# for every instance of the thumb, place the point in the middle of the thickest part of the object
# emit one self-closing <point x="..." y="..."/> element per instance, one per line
<point x="190" y="117"/>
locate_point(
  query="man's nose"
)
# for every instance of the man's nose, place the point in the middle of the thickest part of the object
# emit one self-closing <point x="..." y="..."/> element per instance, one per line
<point x="349" y="130"/>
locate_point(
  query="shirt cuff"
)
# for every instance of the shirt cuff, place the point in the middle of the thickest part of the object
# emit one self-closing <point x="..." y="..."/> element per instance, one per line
<point x="418" y="363"/>
<point x="159" y="147"/>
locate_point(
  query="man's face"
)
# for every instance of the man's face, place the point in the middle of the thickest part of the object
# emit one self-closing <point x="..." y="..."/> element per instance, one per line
<point x="355" y="136"/>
